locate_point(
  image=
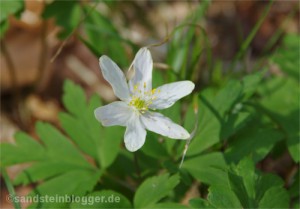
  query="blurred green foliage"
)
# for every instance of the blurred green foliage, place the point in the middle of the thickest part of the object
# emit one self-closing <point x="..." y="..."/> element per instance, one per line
<point x="243" y="119"/>
<point x="9" y="8"/>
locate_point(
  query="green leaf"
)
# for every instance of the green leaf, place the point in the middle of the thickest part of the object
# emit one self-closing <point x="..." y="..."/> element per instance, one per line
<point x="280" y="102"/>
<point x="74" y="99"/>
<point x="153" y="189"/>
<point x="62" y="9"/>
<point x="58" y="145"/>
<point x="242" y="182"/>
<point x="174" y="147"/>
<point x="251" y="82"/>
<point x="209" y="126"/>
<point x="254" y="190"/>
<point x="223" y="114"/>
<point x="103" y="199"/>
<point x="256" y="139"/>
<point x="286" y="55"/>
<point x="265" y="182"/>
<point x="25" y="149"/>
<point x="58" y="156"/>
<point x="3" y="28"/>
<point x="8" y="8"/>
<point x="228" y="96"/>
<point x="99" y="29"/>
<point x="244" y="188"/>
<point x="221" y="197"/>
<point x="56" y="162"/>
<point x="80" y="124"/>
<point x="78" y="183"/>
<point x="207" y="168"/>
<point x="235" y="121"/>
<point x="154" y="148"/>
<point x="43" y="170"/>
<point x="275" y="197"/>
<point x="200" y="203"/>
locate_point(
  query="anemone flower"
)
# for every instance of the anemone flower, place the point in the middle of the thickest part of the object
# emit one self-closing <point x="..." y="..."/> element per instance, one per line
<point x="138" y="100"/>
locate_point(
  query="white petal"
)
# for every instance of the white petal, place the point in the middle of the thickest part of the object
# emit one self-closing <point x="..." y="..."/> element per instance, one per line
<point x="135" y="134"/>
<point x="168" y="94"/>
<point x="114" y="75"/>
<point x="116" y="113"/>
<point x="142" y="77"/>
<point x="162" y="125"/>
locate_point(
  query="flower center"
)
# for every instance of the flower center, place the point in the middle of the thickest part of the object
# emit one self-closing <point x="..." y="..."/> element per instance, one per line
<point x="141" y="100"/>
<point x="139" y="104"/>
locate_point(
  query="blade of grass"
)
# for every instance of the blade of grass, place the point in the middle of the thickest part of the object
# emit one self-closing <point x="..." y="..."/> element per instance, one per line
<point x="10" y="188"/>
<point x="276" y="36"/>
<point x="251" y="36"/>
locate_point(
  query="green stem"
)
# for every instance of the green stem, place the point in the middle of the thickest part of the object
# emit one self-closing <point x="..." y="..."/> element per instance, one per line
<point x="10" y="189"/>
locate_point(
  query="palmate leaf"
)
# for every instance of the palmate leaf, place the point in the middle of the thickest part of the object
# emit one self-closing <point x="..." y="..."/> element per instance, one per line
<point x="244" y="188"/>
<point x="56" y="161"/>
<point x="81" y="125"/>
<point x="256" y="139"/>
<point x="281" y="103"/>
<point x="223" y="114"/>
<point x="281" y="94"/>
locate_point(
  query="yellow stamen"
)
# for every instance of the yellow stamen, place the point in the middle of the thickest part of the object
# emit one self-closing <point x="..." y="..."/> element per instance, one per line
<point x="142" y="101"/>
<point x="139" y="104"/>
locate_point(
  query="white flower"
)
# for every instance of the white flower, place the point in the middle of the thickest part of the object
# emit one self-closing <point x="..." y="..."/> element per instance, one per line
<point x="138" y="99"/>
